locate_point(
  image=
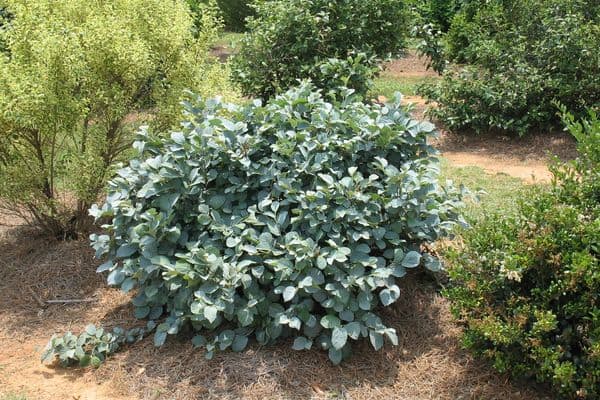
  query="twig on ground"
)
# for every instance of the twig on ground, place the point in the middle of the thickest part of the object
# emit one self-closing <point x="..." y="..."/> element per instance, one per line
<point x="68" y="301"/>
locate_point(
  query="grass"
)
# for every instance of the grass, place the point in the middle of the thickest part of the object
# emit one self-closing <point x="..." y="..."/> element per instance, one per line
<point x="12" y="396"/>
<point x="496" y="192"/>
<point x="387" y="85"/>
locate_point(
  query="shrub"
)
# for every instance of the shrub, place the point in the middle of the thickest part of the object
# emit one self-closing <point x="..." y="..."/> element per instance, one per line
<point x="527" y="286"/>
<point x="290" y="39"/>
<point x="235" y="13"/>
<point x="77" y="75"/>
<point x="4" y="21"/>
<point x="289" y="219"/>
<point x="524" y="56"/>
<point x="232" y="12"/>
<point x="430" y="46"/>
<point x="440" y="13"/>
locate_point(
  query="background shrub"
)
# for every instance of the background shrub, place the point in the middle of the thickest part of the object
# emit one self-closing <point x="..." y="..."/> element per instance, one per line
<point x="527" y="286"/>
<point x="235" y="13"/>
<point x="438" y="13"/>
<point x="523" y="57"/>
<point x="288" y="40"/>
<point x="232" y="12"/>
<point x="290" y="219"/>
<point x="4" y="21"/>
<point x="75" y="79"/>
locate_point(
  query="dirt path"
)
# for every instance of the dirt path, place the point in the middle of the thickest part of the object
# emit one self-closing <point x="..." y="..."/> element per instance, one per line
<point x="526" y="158"/>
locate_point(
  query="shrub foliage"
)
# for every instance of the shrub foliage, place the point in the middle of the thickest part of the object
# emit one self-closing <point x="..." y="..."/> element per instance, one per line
<point x="523" y="57"/>
<point x="74" y="76"/>
<point x="527" y="286"/>
<point x="289" y="219"/>
<point x="235" y="13"/>
<point x="289" y="40"/>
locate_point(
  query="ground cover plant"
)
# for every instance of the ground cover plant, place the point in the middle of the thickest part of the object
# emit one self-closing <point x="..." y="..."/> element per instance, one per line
<point x="289" y="219"/>
<point x="523" y="57"/>
<point x="526" y="285"/>
<point x="72" y="82"/>
<point x="291" y="40"/>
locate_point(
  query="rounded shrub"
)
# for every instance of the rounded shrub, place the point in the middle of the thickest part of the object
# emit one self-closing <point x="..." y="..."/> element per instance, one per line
<point x="289" y="40"/>
<point x="527" y="286"/>
<point x="290" y="219"/>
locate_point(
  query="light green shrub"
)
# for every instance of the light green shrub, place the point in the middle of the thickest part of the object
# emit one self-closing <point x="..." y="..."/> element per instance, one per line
<point x="77" y="76"/>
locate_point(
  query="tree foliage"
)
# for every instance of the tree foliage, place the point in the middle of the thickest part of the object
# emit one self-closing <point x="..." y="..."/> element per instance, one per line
<point x="235" y="13"/>
<point x="75" y="78"/>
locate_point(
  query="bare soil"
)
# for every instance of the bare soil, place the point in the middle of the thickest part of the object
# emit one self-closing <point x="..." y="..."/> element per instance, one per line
<point x="410" y="66"/>
<point x="526" y="158"/>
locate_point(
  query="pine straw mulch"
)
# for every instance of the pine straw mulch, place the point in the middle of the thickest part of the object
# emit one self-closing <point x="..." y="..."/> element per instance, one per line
<point x="427" y="364"/>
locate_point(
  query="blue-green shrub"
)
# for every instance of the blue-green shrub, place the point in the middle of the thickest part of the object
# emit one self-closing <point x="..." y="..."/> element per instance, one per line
<point x="293" y="218"/>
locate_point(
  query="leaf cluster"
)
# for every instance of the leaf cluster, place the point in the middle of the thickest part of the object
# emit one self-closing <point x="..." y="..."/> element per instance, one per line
<point x="91" y="347"/>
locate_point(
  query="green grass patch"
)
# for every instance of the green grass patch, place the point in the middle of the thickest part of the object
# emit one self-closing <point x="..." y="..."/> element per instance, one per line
<point x="497" y="193"/>
<point x="12" y="396"/>
<point x="386" y="85"/>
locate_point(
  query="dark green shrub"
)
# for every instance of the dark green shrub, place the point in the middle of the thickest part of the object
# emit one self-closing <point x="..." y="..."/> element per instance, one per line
<point x="288" y="40"/>
<point x="524" y="56"/>
<point x="290" y="219"/>
<point x="5" y="18"/>
<point x="235" y="13"/>
<point x="441" y="12"/>
<point x="438" y="13"/>
<point x="232" y="12"/>
<point x="334" y="74"/>
<point x="430" y="46"/>
<point x="527" y="286"/>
